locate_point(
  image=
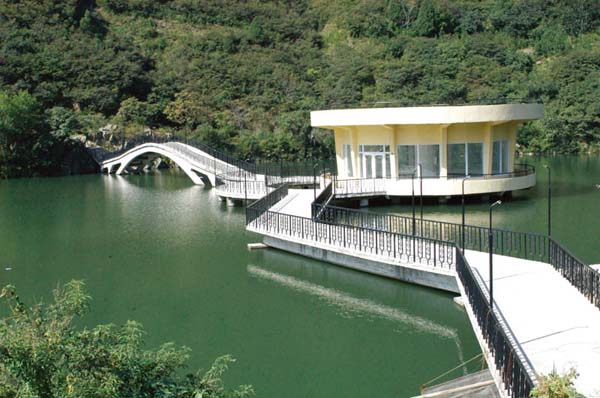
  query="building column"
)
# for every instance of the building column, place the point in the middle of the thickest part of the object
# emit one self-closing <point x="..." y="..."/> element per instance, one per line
<point x="354" y="140"/>
<point x="512" y="146"/>
<point x="338" y="134"/>
<point x="392" y="142"/>
<point x="444" y="150"/>
<point x="488" y="148"/>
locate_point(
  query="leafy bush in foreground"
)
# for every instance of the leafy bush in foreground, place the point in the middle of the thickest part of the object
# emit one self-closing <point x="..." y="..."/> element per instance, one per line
<point x="43" y="355"/>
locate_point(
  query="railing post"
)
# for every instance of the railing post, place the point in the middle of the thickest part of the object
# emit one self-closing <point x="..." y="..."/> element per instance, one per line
<point x="360" y="239"/>
<point x="245" y="189"/>
<point x="414" y="249"/>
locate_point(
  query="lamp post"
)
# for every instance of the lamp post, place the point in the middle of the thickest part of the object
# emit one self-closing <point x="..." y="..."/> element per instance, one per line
<point x="421" y="192"/>
<point x="245" y="189"/>
<point x="491" y="247"/>
<point x="549" y="201"/>
<point x="463" y="213"/>
<point x="412" y="178"/>
<point x="315" y="180"/>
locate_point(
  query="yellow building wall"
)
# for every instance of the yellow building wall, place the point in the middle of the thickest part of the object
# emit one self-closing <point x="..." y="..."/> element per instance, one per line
<point x="418" y="134"/>
<point x="442" y="135"/>
<point x="467" y="132"/>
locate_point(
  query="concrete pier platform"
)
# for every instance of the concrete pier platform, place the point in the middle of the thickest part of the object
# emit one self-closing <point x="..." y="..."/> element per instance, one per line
<point x="556" y="326"/>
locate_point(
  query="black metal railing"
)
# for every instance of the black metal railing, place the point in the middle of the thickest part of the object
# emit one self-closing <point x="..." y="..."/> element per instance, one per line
<point x="356" y="187"/>
<point x="262" y="205"/>
<point x="524" y="245"/>
<point x="321" y="201"/>
<point x="520" y="170"/>
<point x="385" y="245"/>
<point x="245" y="183"/>
<point x="585" y="278"/>
<point x="507" y="355"/>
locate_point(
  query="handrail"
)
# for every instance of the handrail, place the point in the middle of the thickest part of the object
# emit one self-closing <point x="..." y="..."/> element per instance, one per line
<point x="510" y="365"/>
<point x="322" y="199"/>
<point x="585" y="278"/>
<point x="526" y="245"/>
<point x="360" y="186"/>
<point x="150" y="138"/>
<point x="403" y="248"/>
<point x="381" y="244"/>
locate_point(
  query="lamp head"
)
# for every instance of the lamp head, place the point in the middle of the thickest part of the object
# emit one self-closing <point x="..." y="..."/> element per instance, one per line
<point x="547" y="167"/>
<point x="498" y="202"/>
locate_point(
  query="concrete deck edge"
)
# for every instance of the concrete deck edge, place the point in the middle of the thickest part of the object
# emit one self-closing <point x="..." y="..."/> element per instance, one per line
<point x="403" y="272"/>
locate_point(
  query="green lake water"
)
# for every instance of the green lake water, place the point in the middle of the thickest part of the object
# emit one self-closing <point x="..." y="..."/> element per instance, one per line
<point x="159" y="250"/>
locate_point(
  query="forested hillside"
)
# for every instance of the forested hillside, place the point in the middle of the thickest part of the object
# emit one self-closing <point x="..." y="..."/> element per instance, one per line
<point x="243" y="75"/>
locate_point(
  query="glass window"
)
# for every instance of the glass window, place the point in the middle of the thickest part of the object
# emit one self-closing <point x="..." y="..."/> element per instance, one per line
<point x="406" y="159"/>
<point x="388" y="165"/>
<point x="369" y="164"/>
<point x="379" y="166"/>
<point x="500" y="157"/>
<point x="347" y="155"/>
<point x="457" y="159"/>
<point x="374" y="161"/>
<point x="465" y="158"/>
<point x="373" y="148"/>
<point x="429" y="158"/>
<point x="505" y="156"/>
<point x="475" y="158"/>
<point x="497" y="157"/>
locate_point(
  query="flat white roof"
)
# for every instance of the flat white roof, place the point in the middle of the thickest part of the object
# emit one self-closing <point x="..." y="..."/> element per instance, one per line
<point x="426" y="115"/>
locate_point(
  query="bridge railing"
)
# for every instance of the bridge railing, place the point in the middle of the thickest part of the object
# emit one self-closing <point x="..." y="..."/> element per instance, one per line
<point x="101" y="156"/>
<point x="388" y="246"/>
<point x="262" y="205"/>
<point x="585" y="278"/>
<point x="509" y="360"/>
<point x="525" y="245"/>
<point x="520" y="170"/>
<point x="359" y="186"/>
<point x="508" y="357"/>
<point x="514" y="370"/>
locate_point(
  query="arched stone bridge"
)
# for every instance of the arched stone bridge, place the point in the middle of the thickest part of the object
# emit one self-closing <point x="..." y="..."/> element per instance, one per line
<point x="234" y="180"/>
<point x="197" y="164"/>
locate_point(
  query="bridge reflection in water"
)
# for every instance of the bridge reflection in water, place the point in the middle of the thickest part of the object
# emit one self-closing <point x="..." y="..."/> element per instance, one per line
<point x="348" y="304"/>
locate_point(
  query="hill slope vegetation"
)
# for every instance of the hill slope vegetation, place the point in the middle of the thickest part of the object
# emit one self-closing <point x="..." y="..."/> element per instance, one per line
<point x="243" y="76"/>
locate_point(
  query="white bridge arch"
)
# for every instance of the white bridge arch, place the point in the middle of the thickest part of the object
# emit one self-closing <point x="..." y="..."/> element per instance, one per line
<point x="194" y="162"/>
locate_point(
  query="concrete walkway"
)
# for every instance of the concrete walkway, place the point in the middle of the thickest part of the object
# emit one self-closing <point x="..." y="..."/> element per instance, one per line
<point x="556" y="326"/>
<point x="296" y="203"/>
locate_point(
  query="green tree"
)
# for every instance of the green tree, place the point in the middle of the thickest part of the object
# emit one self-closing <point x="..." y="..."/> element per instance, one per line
<point x="25" y="144"/>
<point x="44" y="355"/>
<point x="434" y="19"/>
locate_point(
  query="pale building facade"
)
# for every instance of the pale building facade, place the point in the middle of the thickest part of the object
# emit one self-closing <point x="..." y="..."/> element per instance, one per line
<point x="441" y="144"/>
